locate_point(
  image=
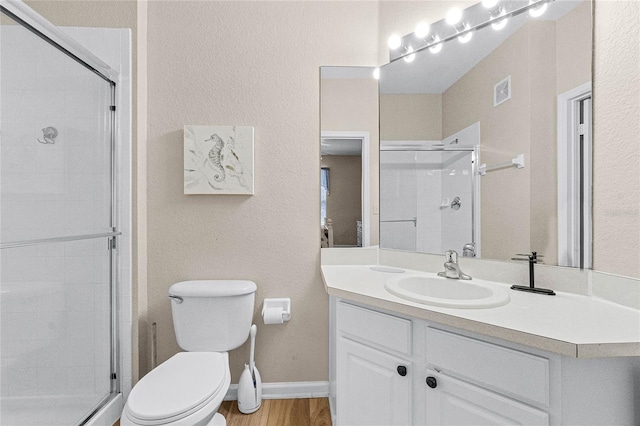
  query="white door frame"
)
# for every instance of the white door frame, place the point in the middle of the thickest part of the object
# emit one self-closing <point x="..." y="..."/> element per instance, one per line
<point x="568" y="169"/>
<point x="366" y="175"/>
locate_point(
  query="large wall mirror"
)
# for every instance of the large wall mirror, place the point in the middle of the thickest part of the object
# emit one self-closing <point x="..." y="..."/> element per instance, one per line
<point x="485" y="145"/>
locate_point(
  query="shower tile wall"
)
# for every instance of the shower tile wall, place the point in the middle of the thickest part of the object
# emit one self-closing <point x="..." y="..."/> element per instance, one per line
<point x="56" y="297"/>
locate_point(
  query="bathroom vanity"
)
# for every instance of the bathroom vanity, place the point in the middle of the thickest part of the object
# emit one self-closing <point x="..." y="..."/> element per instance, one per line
<point x="537" y="360"/>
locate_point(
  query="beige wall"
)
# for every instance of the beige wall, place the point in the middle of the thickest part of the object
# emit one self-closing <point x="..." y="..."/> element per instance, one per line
<point x="543" y="140"/>
<point x="616" y="97"/>
<point x="410" y="117"/>
<point x="249" y="63"/>
<point x="352" y="105"/>
<point x="344" y="204"/>
<point x="573" y="49"/>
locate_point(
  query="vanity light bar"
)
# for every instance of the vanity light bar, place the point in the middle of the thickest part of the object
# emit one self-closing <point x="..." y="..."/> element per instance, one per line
<point x="473" y="18"/>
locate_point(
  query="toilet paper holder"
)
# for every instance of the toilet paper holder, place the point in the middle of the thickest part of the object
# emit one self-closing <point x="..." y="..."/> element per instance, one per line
<point x="283" y="303"/>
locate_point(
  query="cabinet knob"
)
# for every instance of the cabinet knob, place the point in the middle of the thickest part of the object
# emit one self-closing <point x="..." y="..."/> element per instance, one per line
<point x="432" y="382"/>
<point x="402" y="370"/>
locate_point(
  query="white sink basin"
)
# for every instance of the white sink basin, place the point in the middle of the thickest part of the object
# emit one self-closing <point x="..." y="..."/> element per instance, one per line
<point x="438" y="291"/>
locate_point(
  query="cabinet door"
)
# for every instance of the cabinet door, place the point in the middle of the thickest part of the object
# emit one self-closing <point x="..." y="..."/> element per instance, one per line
<point x="454" y="402"/>
<point x="370" y="388"/>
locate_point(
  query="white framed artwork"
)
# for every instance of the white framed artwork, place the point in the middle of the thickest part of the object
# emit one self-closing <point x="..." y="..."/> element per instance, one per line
<point x="218" y="160"/>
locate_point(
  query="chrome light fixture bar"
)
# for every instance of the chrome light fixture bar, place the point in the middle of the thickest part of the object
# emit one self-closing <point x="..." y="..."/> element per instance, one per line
<point x="471" y="19"/>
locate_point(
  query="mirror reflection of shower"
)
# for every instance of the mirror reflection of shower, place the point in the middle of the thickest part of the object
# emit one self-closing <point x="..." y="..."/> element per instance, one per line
<point x="429" y="194"/>
<point x="49" y="135"/>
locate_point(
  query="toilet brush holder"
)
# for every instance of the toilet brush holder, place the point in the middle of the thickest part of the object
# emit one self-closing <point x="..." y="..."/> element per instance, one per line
<point x="249" y="391"/>
<point x="250" y="384"/>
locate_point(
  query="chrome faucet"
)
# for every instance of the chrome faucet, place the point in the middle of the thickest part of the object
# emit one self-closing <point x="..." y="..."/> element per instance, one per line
<point x="469" y="250"/>
<point x="451" y="267"/>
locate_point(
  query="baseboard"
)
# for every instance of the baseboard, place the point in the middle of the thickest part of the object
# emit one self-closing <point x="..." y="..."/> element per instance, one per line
<point x="286" y="390"/>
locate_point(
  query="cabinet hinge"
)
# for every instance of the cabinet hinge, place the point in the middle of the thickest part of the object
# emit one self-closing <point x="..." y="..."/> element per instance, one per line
<point x="113" y="376"/>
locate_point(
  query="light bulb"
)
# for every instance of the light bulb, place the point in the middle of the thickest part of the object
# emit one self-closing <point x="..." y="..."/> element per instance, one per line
<point x="376" y="73"/>
<point x="465" y="38"/>
<point x="489" y="4"/>
<point x="422" y="29"/>
<point x="498" y="25"/>
<point x="537" y="11"/>
<point x="437" y="47"/>
<point x="394" y="42"/>
<point x="411" y="57"/>
<point x="453" y="16"/>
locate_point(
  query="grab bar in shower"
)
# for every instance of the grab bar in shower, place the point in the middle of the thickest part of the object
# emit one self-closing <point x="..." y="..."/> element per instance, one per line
<point x="41" y="241"/>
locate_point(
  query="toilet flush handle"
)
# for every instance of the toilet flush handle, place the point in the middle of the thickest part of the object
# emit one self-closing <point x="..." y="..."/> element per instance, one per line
<point x="178" y="299"/>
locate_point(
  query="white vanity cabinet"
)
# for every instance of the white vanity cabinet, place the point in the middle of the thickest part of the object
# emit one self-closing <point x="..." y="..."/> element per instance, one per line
<point x="374" y="368"/>
<point x="392" y="369"/>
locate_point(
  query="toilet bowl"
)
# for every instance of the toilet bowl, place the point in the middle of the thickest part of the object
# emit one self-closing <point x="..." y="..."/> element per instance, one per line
<point x="210" y="318"/>
<point x="185" y="390"/>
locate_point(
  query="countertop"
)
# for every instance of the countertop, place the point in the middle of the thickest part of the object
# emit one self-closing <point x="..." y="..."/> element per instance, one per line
<point x="568" y="324"/>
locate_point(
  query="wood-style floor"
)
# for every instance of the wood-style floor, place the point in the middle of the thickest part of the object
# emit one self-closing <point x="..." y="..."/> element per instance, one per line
<point x="279" y="412"/>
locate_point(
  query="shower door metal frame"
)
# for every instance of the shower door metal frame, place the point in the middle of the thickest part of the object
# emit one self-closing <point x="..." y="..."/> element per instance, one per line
<point x="36" y="24"/>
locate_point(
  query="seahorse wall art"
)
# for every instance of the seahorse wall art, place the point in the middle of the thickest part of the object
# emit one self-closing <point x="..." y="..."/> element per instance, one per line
<point x="216" y="157"/>
<point x="218" y="160"/>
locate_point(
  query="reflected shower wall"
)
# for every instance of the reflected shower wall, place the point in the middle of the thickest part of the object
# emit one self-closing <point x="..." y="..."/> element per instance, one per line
<point x="426" y="200"/>
<point x="57" y="276"/>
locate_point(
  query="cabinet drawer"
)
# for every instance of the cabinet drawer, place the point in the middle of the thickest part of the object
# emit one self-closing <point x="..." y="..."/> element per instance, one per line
<point x="385" y="330"/>
<point x="508" y="371"/>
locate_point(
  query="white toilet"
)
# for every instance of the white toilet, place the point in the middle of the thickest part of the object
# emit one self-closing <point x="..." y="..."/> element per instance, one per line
<point x="210" y="318"/>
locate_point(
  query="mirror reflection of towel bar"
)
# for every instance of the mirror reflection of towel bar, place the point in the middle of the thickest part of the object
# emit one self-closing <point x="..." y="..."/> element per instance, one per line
<point x="517" y="161"/>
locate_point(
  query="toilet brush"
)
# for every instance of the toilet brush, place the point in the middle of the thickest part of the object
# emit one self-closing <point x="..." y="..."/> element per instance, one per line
<point x="250" y="384"/>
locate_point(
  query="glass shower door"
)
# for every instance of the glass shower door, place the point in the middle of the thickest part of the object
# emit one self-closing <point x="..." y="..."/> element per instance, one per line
<point x="57" y="265"/>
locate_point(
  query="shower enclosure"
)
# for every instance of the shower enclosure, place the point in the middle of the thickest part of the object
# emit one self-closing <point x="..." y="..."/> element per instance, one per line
<point x="58" y="226"/>
<point x="427" y="198"/>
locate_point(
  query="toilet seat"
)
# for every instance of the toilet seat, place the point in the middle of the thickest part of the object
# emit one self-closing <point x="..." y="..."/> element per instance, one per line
<point x="179" y="387"/>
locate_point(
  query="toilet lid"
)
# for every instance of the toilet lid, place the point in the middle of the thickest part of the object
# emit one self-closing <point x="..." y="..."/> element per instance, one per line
<point x="178" y="387"/>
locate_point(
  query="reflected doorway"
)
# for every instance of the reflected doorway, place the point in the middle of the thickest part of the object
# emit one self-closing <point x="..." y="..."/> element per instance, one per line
<point x="344" y="189"/>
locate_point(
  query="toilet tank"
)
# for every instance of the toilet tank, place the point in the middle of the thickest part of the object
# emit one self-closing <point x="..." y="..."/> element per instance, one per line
<point x="212" y="315"/>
